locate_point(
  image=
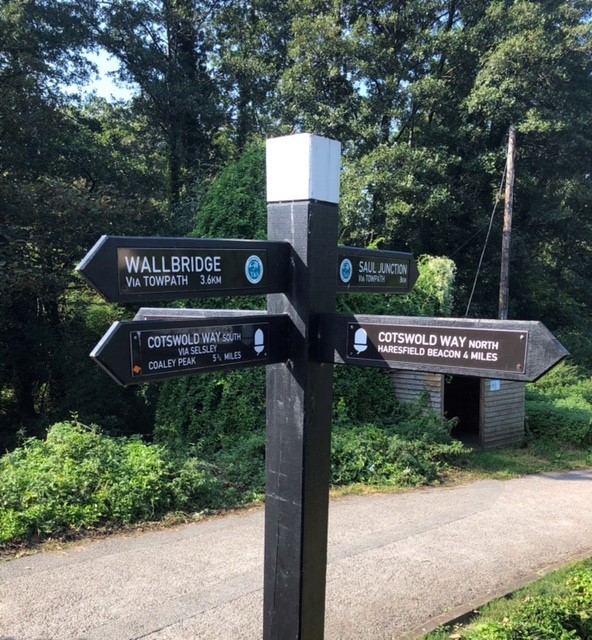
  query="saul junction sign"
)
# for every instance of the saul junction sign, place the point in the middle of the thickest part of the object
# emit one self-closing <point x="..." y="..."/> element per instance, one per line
<point x="301" y="269"/>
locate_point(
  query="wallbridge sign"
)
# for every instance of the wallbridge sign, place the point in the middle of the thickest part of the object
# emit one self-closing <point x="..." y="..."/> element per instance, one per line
<point x="299" y="338"/>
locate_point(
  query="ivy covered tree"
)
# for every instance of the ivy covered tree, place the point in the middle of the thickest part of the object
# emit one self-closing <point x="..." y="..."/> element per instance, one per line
<point x="59" y="190"/>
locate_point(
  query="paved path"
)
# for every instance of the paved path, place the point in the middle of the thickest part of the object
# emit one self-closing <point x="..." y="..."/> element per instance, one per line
<point x="396" y="562"/>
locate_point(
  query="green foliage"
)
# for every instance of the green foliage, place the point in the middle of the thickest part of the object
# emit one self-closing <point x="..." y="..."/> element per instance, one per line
<point x="241" y="466"/>
<point x="554" y="617"/>
<point x="63" y="182"/>
<point x="78" y="478"/>
<point x="88" y="392"/>
<point x="362" y="395"/>
<point x="559" y="407"/>
<point x="211" y="412"/>
<point x="433" y="294"/>
<point x="412" y="447"/>
<point x="235" y="206"/>
<point x="75" y="479"/>
<point x="178" y="93"/>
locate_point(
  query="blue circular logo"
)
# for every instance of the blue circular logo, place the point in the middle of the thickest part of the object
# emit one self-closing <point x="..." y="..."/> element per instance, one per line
<point x="254" y="269"/>
<point x="346" y="270"/>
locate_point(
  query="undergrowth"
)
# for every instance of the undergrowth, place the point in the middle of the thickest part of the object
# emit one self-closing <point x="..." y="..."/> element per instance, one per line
<point x="558" y="607"/>
<point x="77" y="478"/>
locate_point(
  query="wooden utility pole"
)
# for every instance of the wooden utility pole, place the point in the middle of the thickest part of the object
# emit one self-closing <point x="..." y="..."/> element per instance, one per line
<point x="504" y="291"/>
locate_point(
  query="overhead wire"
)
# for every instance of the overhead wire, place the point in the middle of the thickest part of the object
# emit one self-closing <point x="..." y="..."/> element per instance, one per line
<point x="498" y="198"/>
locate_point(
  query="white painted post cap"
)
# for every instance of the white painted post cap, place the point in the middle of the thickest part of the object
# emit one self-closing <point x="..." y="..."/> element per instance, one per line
<point x="303" y="167"/>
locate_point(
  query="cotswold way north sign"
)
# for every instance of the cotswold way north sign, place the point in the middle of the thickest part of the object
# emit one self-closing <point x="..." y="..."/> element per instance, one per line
<point x="505" y="349"/>
<point x="301" y="269"/>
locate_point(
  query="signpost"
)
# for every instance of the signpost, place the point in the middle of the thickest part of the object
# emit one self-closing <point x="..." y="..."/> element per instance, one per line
<point x="126" y="269"/>
<point x="372" y="271"/>
<point x="132" y="352"/>
<point x="299" y="340"/>
<point x="510" y="350"/>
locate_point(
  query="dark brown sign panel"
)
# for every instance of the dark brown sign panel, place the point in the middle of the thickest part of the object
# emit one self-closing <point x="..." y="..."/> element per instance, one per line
<point x="505" y="349"/>
<point x="150" y="350"/>
<point x="493" y="350"/>
<point x="136" y="269"/>
<point x="368" y="270"/>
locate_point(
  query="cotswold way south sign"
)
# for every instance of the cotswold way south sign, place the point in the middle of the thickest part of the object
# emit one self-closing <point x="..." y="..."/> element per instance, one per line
<point x="301" y="269"/>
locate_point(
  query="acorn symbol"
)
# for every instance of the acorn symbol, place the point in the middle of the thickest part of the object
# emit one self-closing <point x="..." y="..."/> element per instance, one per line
<point x="259" y="341"/>
<point x="360" y="340"/>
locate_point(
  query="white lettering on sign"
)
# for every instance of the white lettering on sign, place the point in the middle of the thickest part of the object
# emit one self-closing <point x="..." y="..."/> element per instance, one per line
<point x="388" y="268"/>
<point x="162" y="281"/>
<point x="173" y="264"/>
<point x="397" y="337"/>
<point x="444" y="353"/>
<point x="487" y="357"/>
<point x="156" y="365"/>
<point x="393" y="268"/>
<point x="376" y="272"/>
<point x="401" y="350"/>
<point x="488" y="345"/>
<point x="453" y="341"/>
<point x="169" y="340"/>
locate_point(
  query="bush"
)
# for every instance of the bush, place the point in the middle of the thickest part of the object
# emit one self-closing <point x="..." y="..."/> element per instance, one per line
<point x="413" y="447"/>
<point x="554" y="618"/>
<point x="211" y="412"/>
<point x="559" y="407"/>
<point x="78" y="478"/>
<point x="371" y="455"/>
<point x="566" y="421"/>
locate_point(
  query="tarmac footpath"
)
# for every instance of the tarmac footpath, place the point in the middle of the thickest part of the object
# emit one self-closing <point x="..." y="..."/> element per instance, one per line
<point x="398" y="565"/>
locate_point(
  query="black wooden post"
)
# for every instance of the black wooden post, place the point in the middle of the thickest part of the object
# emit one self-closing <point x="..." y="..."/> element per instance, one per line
<point x="302" y="192"/>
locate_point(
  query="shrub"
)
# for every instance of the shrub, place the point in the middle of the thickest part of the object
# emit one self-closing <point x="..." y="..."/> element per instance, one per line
<point x="241" y="465"/>
<point x="561" y="617"/>
<point x="413" y="447"/>
<point x="373" y="455"/>
<point x="559" y="407"/>
<point x="211" y="411"/>
<point x="195" y="486"/>
<point x="78" y="478"/>
<point x="567" y="421"/>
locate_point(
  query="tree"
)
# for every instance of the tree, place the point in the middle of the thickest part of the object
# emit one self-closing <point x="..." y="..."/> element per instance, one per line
<point x="422" y="95"/>
<point x="164" y="47"/>
<point x="57" y="196"/>
<point x="536" y="75"/>
<point x="249" y="57"/>
<point x="235" y="205"/>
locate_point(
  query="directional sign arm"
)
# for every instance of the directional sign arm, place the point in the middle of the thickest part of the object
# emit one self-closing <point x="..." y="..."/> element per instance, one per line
<point x="373" y="271"/>
<point x="137" y="269"/>
<point x="165" y="313"/>
<point x="132" y="352"/>
<point x="505" y="349"/>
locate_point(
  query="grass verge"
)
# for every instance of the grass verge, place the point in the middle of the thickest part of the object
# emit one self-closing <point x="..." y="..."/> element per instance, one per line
<point x="557" y="607"/>
<point x="512" y="462"/>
